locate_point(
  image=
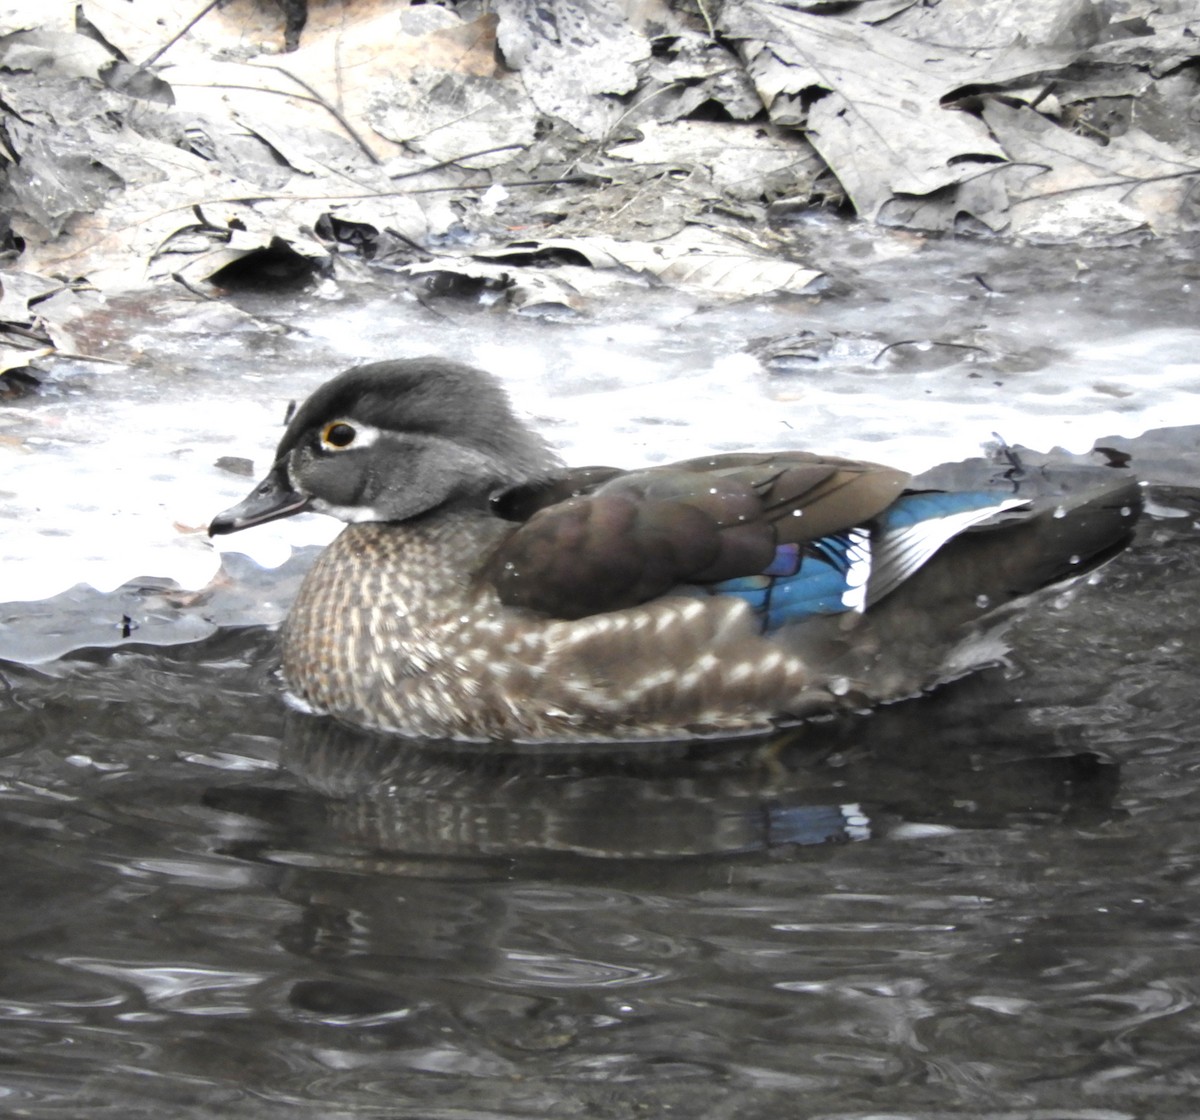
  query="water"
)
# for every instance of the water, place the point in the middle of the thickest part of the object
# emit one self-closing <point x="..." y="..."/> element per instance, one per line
<point x="983" y="902"/>
<point x="980" y="903"/>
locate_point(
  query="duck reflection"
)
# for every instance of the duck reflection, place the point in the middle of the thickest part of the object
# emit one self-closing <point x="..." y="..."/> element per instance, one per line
<point x="476" y="910"/>
<point x="965" y="757"/>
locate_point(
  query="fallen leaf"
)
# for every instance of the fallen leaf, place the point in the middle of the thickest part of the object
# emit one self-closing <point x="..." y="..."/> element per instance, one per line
<point x="1086" y="188"/>
<point x="571" y="56"/>
<point x="15" y="357"/>
<point x="54" y="52"/>
<point x="1168" y="39"/>
<point x="740" y="162"/>
<point x="141" y="28"/>
<point x="1071" y="24"/>
<point x="875" y="114"/>
<point x="17" y="289"/>
<point x="696" y="259"/>
<point x="41" y="15"/>
<point x="452" y="116"/>
<point x="690" y="71"/>
<point x="979" y="204"/>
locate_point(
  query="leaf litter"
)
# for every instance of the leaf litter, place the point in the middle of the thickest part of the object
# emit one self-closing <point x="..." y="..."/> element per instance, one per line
<point x="545" y="151"/>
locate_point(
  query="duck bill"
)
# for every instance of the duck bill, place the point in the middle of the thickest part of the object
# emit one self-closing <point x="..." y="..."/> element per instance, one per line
<point x="270" y="500"/>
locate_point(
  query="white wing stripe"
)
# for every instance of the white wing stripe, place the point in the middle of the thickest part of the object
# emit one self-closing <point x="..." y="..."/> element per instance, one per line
<point x="900" y="553"/>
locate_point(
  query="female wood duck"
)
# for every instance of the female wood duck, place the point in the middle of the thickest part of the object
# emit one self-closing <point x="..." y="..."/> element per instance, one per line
<point x="483" y="591"/>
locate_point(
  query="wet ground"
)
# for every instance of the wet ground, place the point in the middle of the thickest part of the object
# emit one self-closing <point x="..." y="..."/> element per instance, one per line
<point x="984" y="902"/>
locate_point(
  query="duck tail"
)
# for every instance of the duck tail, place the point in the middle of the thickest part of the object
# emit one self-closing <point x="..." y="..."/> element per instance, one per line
<point x="1059" y="537"/>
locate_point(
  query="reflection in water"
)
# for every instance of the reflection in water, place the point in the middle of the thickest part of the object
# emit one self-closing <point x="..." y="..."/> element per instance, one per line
<point x="983" y="902"/>
<point x="911" y="768"/>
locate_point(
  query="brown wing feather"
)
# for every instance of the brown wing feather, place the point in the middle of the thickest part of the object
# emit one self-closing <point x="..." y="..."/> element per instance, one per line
<point x="619" y="539"/>
<point x="520" y="503"/>
<point x="850" y="494"/>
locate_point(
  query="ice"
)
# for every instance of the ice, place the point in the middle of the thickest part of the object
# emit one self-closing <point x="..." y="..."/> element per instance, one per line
<point x="111" y="472"/>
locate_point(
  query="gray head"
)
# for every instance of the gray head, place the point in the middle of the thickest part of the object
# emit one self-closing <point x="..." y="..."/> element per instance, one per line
<point x="392" y="440"/>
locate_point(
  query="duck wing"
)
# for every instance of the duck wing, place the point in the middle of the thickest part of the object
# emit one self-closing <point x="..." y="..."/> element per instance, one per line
<point x="594" y="540"/>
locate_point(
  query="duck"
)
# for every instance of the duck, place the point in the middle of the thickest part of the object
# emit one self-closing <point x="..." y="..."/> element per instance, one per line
<point x="481" y="591"/>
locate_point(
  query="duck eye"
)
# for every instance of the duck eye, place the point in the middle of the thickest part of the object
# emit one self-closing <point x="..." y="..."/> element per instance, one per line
<point x="337" y="435"/>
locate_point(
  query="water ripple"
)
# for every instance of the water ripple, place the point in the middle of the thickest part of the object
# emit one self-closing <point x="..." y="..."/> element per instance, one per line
<point x="543" y="970"/>
<point x="174" y="987"/>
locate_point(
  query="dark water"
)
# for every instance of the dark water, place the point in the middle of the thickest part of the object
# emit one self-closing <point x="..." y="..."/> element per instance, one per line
<point x="981" y="903"/>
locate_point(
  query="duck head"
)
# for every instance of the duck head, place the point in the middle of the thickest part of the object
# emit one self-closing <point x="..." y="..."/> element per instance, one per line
<point x="392" y="440"/>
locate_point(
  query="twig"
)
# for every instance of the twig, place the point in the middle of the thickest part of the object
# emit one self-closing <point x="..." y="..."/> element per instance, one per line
<point x="202" y="224"/>
<point x="72" y="356"/>
<point x="516" y="183"/>
<point x="1047" y="90"/>
<point x="457" y="159"/>
<point x="1015" y="467"/>
<point x="416" y="246"/>
<point x="233" y="199"/>
<point x="181" y="33"/>
<point x="328" y="106"/>
<point x="932" y="342"/>
<point x="208" y="297"/>
<point x="603" y="142"/>
<point x="252" y="89"/>
<point x="1131" y="184"/>
<point x="188" y="286"/>
<point x="313" y="96"/>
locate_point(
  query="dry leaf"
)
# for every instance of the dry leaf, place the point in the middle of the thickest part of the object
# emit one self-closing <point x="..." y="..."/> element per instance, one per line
<point x="1087" y="189"/>
<point x="696" y="259"/>
<point x="452" y="115"/>
<point x="571" y="56"/>
<point x="880" y="126"/>
<point x="41" y="15"/>
<point x="141" y="28"/>
<point x="15" y="357"/>
<point x="739" y="162"/>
